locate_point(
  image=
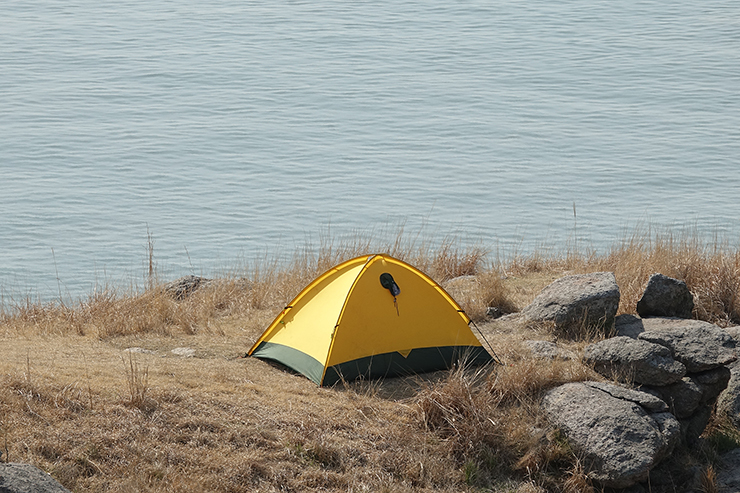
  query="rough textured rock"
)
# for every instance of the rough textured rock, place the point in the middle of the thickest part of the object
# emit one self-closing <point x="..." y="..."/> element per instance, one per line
<point x="683" y="397"/>
<point x="619" y="439"/>
<point x="632" y="360"/>
<point x="25" y="478"/>
<point x="573" y="300"/>
<point x="694" y="426"/>
<point x="648" y="401"/>
<point x="698" y="389"/>
<point x="184" y="287"/>
<point x="699" y="345"/>
<point x="728" y="403"/>
<point x="728" y="479"/>
<point x="665" y="297"/>
<point x="548" y="350"/>
<point x="712" y="383"/>
<point x="628" y="326"/>
<point x="734" y="332"/>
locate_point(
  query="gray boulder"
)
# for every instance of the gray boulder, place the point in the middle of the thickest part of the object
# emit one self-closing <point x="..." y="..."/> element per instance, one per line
<point x="683" y="397"/>
<point x="633" y="360"/>
<point x="619" y="438"/>
<point x="699" y="345"/>
<point x="644" y="399"/>
<point x="712" y="383"/>
<point x="695" y="390"/>
<point x="628" y="325"/>
<point x="25" y="478"/>
<point x="728" y="479"/>
<point x="665" y="297"/>
<point x="728" y="403"/>
<point x="570" y="301"/>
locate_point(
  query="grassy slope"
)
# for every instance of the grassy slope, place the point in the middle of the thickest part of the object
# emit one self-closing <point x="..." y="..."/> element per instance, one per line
<point x="100" y="418"/>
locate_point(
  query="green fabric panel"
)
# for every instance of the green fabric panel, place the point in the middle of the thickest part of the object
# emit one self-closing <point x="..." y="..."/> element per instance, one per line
<point x="292" y="358"/>
<point x="419" y="360"/>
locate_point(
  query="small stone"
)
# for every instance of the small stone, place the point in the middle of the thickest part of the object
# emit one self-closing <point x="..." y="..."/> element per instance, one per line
<point x="139" y="350"/>
<point x="184" y="352"/>
<point x="712" y="383"/>
<point x="683" y="397"/>
<point x="185" y="286"/>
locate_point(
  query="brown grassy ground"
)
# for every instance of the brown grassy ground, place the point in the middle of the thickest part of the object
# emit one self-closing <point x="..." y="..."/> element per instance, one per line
<point x="78" y="402"/>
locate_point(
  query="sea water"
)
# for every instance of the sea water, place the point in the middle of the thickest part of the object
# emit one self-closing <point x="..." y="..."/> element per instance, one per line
<point x="222" y="131"/>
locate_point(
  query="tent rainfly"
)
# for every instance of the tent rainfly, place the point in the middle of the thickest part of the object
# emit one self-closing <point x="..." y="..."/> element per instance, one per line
<point x="372" y="316"/>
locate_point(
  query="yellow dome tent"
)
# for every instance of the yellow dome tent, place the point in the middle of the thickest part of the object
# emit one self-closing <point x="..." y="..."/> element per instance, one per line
<point x="371" y="316"/>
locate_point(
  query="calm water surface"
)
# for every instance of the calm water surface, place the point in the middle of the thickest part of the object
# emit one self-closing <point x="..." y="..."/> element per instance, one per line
<point x="232" y="128"/>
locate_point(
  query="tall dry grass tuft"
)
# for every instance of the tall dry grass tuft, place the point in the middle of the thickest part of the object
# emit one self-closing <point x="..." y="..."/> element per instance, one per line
<point x="476" y="294"/>
<point x="709" y="480"/>
<point x="108" y="314"/>
<point x="41" y="318"/>
<point x="710" y="268"/>
<point x="494" y="427"/>
<point x="137" y="380"/>
<point x="522" y="380"/>
<point x="440" y="259"/>
<point x="464" y="414"/>
<point x="265" y="285"/>
<point x="460" y="410"/>
<point x="577" y="480"/>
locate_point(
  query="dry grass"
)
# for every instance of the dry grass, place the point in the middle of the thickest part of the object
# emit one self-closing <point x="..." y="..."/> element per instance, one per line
<point x="201" y="424"/>
<point x="78" y="402"/>
<point x="711" y="270"/>
<point x="709" y="480"/>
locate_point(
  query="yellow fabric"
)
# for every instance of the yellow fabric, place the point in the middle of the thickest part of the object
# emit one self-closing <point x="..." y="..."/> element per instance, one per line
<point x="346" y="314"/>
<point x="309" y="324"/>
<point x="422" y="316"/>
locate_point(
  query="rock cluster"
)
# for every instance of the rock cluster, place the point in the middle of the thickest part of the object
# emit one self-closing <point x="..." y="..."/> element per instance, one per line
<point x="729" y="401"/>
<point x="673" y="370"/>
<point x="681" y="361"/>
